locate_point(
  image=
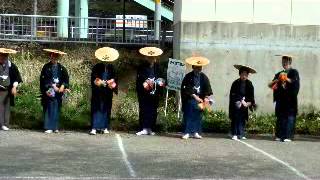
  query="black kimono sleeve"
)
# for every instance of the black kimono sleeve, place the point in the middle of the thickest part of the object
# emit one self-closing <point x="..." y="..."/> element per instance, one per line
<point x="250" y="92"/>
<point x="45" y="81"/>
<point x="141" y="78"/>
<point x="113" y="75"/>
<point x="94" y="75"/>
<point x="295" y="82"/>
<point x="275" y="92"/>
<point x="206" y="87"/>
<point x="64" y="77"/>
<point x="14" y="77"/>
<point x="233" y="98"/>
<point x="234" y="92"/>
<point x="187" y="87"/>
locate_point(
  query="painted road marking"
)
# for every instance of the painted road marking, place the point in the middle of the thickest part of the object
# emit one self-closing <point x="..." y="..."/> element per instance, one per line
<point x="125" y="156"/>
<point x="95" y="178"/>
<point x="300" y="174"/>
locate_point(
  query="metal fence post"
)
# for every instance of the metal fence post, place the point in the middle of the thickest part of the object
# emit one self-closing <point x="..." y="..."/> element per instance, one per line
<point x="97" y="27"/>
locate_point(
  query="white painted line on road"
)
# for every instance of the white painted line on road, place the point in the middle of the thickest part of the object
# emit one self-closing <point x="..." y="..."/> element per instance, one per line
<point x="125" y="156"/>
<point x="93" y="178"/>
<point x="76" y="178"/>
<point x="300" y="174"/>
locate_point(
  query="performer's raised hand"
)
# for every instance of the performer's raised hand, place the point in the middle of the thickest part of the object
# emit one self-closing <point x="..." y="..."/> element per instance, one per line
<point x="283" y="77"/>
<point x="98" y="82"/>
<point x="249" y="104"/>
<point x="145" y="85"/>
<point x="148" y="85"/>
<point x="67" y="90"/>
<point x="111" y="83"/>
<point x="206" y="100"/>
<point x="56" y="89"/>
<point x="14" y="91"/>
<point x="61" y="89"/>
<point x="244" y="103"/>
<point x="49" y="94"/>
<point x="197" y="98"/>
<point x="289" y="80"/>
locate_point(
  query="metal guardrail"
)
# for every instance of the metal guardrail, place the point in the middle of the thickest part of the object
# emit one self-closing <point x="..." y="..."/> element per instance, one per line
<point x="81" y="30"/>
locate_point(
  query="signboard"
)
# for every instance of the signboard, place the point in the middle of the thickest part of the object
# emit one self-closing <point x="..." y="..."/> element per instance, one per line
<point x="132" y="21"/>
<point x="175" y="74"/>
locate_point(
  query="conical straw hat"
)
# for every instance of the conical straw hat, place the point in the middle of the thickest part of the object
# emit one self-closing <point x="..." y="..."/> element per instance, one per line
<point x="151" y="51"/>
<point x="7" y="51"/>
<point x="55" y="51"/>
<point x="250" y="69"/>
<point x="107" y="54"/>
<point x="197" y="61"/>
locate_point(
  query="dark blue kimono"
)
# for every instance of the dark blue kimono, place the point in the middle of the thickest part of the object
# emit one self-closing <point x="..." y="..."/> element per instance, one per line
<point x="12" y="73"/>
<point x="101" y="100"/>
<point x="50" y="74"/>
<point x="199" y="84"/>
<point x="239" y="116"/>
<point x="148" y="102"/>
<point x="286" y="104"/>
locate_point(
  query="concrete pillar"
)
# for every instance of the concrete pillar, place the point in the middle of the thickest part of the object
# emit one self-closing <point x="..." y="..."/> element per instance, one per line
<point x="176" y="28"/>
<point x="157" y="19"/>
<point x="81" y="13"/>
<point x="62" y="24"/>
<point x="34" y="19"/>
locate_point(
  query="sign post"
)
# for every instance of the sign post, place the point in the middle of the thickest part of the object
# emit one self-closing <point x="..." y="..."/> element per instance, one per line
<point x="175" y="74"/>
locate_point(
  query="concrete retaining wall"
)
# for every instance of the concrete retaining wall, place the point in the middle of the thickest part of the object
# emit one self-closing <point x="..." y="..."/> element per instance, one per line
<point x="256" y="45"/>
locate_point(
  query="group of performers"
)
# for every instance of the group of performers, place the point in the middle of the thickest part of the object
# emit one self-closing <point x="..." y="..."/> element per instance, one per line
<point x="196" y="93"/>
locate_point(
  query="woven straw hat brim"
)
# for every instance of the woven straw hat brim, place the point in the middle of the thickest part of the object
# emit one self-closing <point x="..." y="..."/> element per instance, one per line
<point x="286" y="55"/>
<point x="55" y="51"/>
<point x="107" y="54"/>
<point x="197" y="61"/>
<point x="250" y="69"/>
<point x="7" y="51"/>
<point x="151" y="51"/>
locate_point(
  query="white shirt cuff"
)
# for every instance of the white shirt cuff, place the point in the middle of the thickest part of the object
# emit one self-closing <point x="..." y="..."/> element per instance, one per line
<point x="15" y="84"/>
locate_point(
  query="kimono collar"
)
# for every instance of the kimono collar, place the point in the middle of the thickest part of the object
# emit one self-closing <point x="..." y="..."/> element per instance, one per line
<point x="196" y="73"/>
<point x="7" y="63"/>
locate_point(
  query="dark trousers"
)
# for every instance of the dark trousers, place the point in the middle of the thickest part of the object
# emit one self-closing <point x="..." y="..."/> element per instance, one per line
<point x="148" y="112"/>
<point x="4" y="108"/>
<point x="238" y="123"/>
<point x="277" y="129"/>
<point x="192" y="117"/>
<point x="287" y="126"/>
<point x="101" y="114"/>
<point x="51" y="111"/>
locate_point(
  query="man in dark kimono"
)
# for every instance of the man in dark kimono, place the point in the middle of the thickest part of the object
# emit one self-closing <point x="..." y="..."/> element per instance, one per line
<point x="148" y="96"/>
<point x="241" y="99"/>
<point x="103" y="84"/>
<point x="9" y="81"/>
<point x="286" y="85"/>
<point x="54" y="82"/>
<point x="195" y="89"/>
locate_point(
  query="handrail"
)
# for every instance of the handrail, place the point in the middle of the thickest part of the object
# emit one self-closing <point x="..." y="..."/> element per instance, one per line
<point x="18" y="27"/>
